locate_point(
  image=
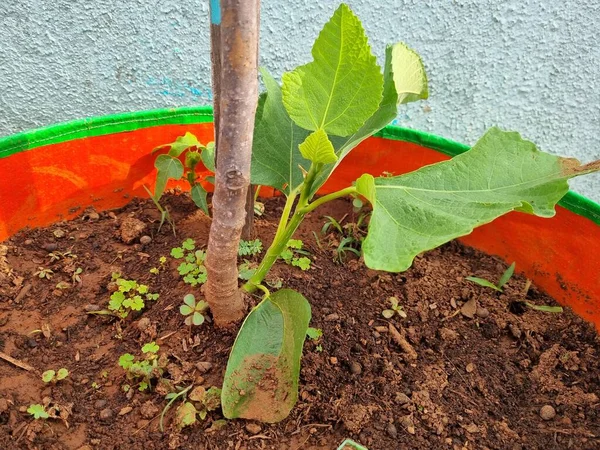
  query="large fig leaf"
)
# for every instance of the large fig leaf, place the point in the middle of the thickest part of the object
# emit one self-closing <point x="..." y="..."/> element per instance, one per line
<point x="167" y="166"/>
<point x="433" y="205"/>
<point x="261" y="380"/>
<point x="399" y="56"/>
<point x="275" y="154"/>
<point x="342" y="87"/>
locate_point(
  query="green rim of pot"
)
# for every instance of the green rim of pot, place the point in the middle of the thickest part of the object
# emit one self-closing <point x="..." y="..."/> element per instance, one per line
<point x="118" y="123"/>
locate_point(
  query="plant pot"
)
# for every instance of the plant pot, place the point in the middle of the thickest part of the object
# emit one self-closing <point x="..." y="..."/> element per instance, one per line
<point x="55" y="173"/>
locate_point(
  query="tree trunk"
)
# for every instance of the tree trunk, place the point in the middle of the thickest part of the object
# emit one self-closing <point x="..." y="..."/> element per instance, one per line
<point x="239" y="96"/>
<point x="215" y="58"/>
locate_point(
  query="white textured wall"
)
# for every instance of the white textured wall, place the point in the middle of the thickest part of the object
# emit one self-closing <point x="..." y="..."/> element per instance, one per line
<point x="532" y="66"/>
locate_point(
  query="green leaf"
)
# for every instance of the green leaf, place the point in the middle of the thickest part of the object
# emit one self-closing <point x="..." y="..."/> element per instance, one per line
<point x="421" y="210"/>
<point x="506" y="275"/>
<point x="342" y="87"/>
<point x="182" y="143"/>
<point x="192" y="159"/>
<point x="190" y="300"/>
<point x="302" y="262"/>
<point x="116" y="300"/>
<point x="186" y="310"/>
<point x="177" y="252"/>
<point x="62" y="374"/>
<point x="275" y="154"/>
<point x="544" y="308"/>
<point x="261" y="380"/>
<point x="150" y="347"/>
<point x="212" y="399"/>
<point x="185" y="415"/>
<point x="197" y="319"/>
<point x="37" y="411"/>
<point x="126" y="360"/>
<point x="168" y="167"/>
<point x="208" y="156"/>
<point x="318" y="148"/>
<point x="483" y="282"/>
<point x="387" y="111"/>
<point x="48" y="376"/>
<point x="409" y="74"/>
<point x="388" y="313"/>
<point x="198" y="194"/>
<point x="189" y="244"/>
<point x="314" y="333"/>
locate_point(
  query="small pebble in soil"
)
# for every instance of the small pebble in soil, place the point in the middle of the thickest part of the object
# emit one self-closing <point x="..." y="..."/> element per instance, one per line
<point x="31" y="343"/>
<point x="3" y="405"/>
<point x="125" y="410"/>
<point x="50" y="246"/>
<point x="470" y="367"/>
<point x="332" y="317"/>
<point x="58" y="233"/>
<point x="333" y="360"/>
<point x="402" y="398"/>
<point x="28" y="241"/>
<point x="391" y="430"/>
<point x="355" y="368"/>
<point x="547" y="412"/>
<point x="515" y="331"/>
<point x="100" y="404"/>
<point x="145" y="240"/>
<point x="482" y="313"/>
<point x="204" y="366"/>
<point x="91" y="307"/>
<point x="106" y="414"/>
<point x="253" y="428"/>
<point x="143" y="324"/>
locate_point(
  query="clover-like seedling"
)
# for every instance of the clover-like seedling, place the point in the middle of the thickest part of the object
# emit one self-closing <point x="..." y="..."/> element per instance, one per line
<point x="193" y="310"/>
<point x="51" y="376"/>
<point x="129" y="296"/>
<point x="44" y="273"/>
<point x="76" y="277"/>
<point x="293" y="254"/>
<point x="314" y="333"/>
<point x="250" y="248"/>
<point x="38" y="411"/>
<point x="508" y="273"/>
<point x="144" y="370"/>
<point x="396" y="309"/>
<point x="192" y="268"/>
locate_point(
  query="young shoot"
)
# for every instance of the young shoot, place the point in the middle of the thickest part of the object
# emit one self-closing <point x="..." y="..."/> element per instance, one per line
<point x="506" y="276"/>
<point x="192" y="268"/>
<point x="295" y="255"/>
<point x="51" y="376"/>
<point x="193" y="310"/>
<point x="396" y="309"/>
<point x="144" y="370"/>
<point x="38" y="411"/>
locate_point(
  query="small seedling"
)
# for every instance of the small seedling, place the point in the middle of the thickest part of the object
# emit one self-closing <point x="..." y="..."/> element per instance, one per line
<point x="62" y="285"/>
<point x="129" y="296"/>
<point x="528" y="304"/>
<point x="194" y="311"/>
<point x="508" y="273"/>
<point x="50" y="376"/>
<point x="250" y="248"/>
<point x="169" y="166"/>
<point x="348" y="237"/>
<point x="38" y="411"/>
<point x="396" y="309"/>
<point x="314" y="333"/>
<point x="144" y="370"/>
<point x="293" y="254"/>
<point x="192" y="268"/>
<point x="156" y="270"/>
<point x="57" y="256"/>
<point x="76" y="277"/>
<point x="44" y="273"/>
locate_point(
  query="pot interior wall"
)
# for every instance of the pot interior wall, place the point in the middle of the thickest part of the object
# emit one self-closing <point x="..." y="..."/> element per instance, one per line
<point x="56" y="173"/>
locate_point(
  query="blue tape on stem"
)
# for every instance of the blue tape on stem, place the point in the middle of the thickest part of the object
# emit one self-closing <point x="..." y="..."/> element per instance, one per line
<point x="215" y="12"/>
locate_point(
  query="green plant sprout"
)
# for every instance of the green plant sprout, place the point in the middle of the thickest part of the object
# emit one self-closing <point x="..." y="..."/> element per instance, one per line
<point x="192" y="268"/>
<point x="506" y="276"/>
<point x="143" y="370"/>
<point x="250" y="248"/>
<point x="246" y="269"/>
<point x="38" y="411"/>
<point x="57" y="256"/>
<point x="129" y="296"/>
<point x="294" y="255"/>
<point x="62" y="285"/>
<point x="350" y="235"/>
<point x="304" y="128"/>
<point x="396" y="309"/>
<point x="156" y="270"/>
<point x="314" y="333"/>
<point x="44" y="273"/>
<point x="50" y="376"/>
<point x="199" y="403"/>
<point x="542" y="308"/>
<point x="76" y="277"/>
<point x="169" y="166"/>
<point x="193" y="310"/>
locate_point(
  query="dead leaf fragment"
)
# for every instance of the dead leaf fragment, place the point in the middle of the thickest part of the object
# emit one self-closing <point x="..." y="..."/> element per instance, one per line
<point x="469" y="308"/>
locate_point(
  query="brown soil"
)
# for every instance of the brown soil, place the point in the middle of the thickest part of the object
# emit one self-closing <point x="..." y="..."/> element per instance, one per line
<point x="469" y="368"/>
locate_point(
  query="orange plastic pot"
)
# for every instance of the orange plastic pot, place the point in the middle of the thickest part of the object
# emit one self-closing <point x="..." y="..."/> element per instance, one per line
<point x="55" y="173"/>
